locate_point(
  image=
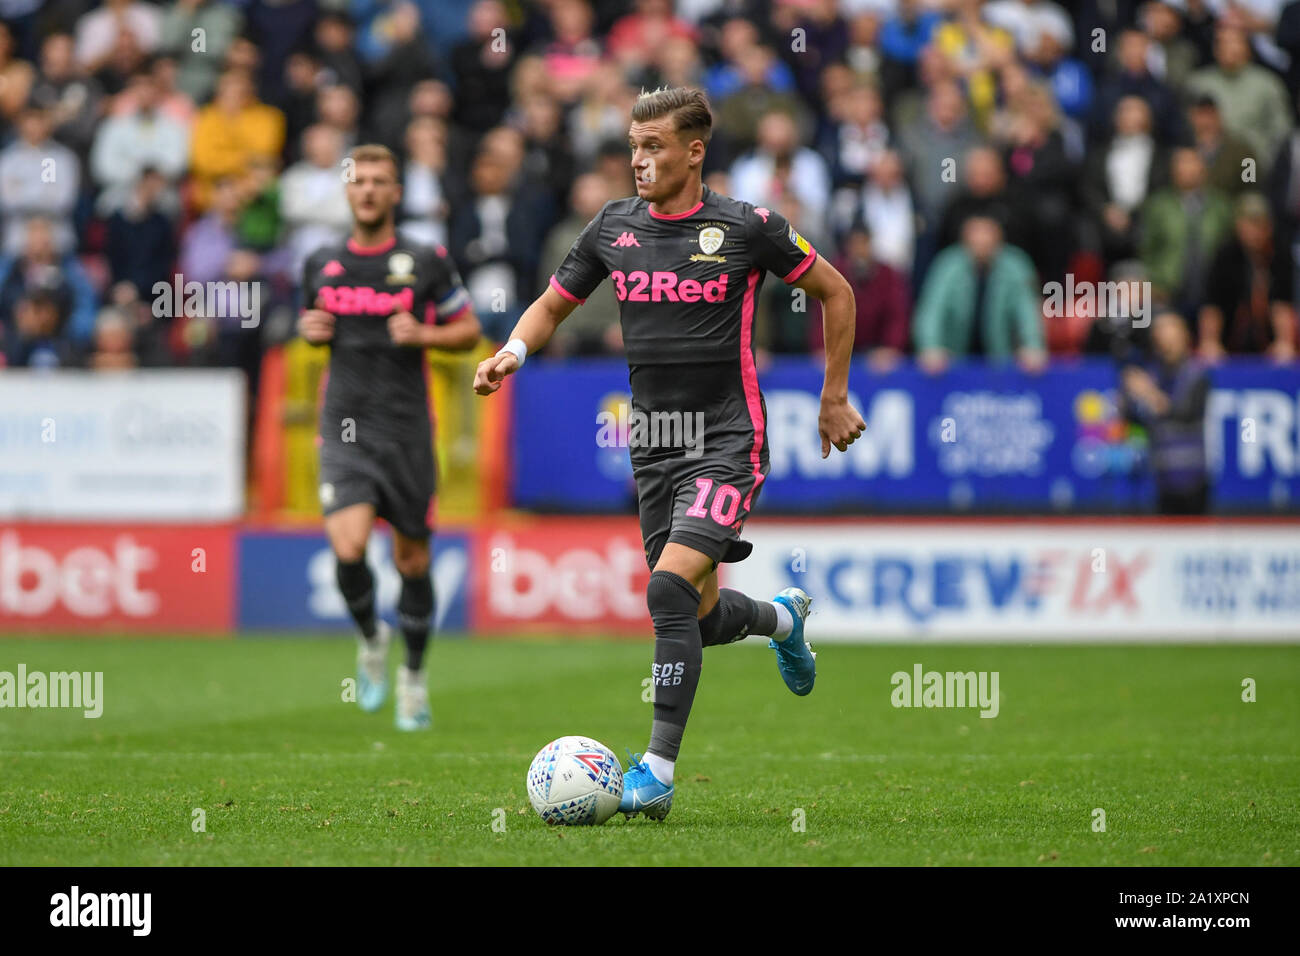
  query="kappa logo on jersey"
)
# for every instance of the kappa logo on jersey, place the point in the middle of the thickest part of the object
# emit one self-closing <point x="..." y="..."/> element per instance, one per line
<point x="642" y="286"/>
<point x="762" y="212"/>
<point x="624" y="240"/>
<point x="346" y="300"/>
<point x="332" y="268"/>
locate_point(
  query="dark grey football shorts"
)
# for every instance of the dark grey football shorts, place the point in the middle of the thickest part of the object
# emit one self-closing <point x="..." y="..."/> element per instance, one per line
<point x="701" y="503"/>
<point x="397" y="477"/>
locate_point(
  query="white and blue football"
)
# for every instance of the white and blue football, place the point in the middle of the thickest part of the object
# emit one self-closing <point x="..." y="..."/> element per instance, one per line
<point x="575" y="781"/>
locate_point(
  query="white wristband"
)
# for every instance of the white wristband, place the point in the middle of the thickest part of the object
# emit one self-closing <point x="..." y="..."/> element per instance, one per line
<point x="517" y="348"/>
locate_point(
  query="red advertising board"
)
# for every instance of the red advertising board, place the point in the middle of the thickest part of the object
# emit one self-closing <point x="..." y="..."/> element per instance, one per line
<point x="564" y="576"/>
<point x="125" y="579"/>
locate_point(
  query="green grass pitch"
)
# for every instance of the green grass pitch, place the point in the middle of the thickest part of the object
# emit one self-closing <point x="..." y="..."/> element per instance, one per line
<point x="255" y="734"/>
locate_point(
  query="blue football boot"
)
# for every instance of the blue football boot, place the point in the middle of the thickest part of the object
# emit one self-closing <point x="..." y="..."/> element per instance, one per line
<point x="794" y="656"/>
<point x="643" y="793"/>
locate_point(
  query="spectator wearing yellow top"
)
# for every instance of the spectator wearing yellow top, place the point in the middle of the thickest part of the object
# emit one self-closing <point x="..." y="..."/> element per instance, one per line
<point x="230" y="132"/>
<point x="975" y="50"/>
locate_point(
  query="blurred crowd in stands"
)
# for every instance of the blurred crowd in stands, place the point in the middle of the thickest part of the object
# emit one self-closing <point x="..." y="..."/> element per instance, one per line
<point x="951" y="157"/>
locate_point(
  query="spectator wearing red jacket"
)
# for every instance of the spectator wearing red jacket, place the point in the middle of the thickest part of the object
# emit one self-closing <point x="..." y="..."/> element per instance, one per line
<point x="884" y="303"/>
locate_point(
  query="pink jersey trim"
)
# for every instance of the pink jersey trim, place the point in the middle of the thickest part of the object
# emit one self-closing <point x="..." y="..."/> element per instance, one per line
<point x="801" y="268"/>
<point x="360" y="250"/>
<point x="749" y="376"/>
<point x="677" y="215"/>
<point x="555" y="284"/>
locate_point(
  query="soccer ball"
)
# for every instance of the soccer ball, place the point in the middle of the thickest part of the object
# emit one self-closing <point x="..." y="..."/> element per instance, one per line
<point x="575" y="781"/>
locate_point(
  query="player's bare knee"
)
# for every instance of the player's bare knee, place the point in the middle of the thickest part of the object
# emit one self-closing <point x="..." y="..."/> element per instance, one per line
<point x="687" y="563"/>
<point x="350" y="552"/>
<point x="411" y="560"/>
<point x="413" y="567"/>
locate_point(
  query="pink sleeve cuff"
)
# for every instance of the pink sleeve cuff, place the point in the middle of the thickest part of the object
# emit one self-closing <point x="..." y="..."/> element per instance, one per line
<point x="555" y="284"/>
<point x="801" y="268"/>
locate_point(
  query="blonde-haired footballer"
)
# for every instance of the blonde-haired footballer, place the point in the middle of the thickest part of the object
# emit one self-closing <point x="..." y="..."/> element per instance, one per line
<point x="687" y="265"/>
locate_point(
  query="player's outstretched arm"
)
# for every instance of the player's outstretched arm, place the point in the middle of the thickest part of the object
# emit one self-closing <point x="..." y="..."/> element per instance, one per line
<point x="533" y="330"/>
<point x="838" y="423"/>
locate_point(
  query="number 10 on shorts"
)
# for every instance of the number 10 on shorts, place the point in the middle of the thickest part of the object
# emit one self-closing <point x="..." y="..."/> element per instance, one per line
<point x="726" y="502"/>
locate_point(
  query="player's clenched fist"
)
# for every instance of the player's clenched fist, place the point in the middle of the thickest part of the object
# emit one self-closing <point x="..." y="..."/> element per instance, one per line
<point x="839" y="424"/>
<point x="493" y="371"/>
<point x="316" y="326"/>
<point x="405" y="329"/>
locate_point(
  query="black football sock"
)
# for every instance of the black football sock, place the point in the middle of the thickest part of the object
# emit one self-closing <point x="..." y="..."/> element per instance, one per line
<point x="735" y="617"/>
<point x="710" y="625"/>
<point x="673" y="604"/>
<point x="357" y="586"/>
<point x="414" y="615"/>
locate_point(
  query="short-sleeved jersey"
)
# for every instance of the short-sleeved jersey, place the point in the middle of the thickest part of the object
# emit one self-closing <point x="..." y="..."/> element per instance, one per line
<point x="379" y="385"/>
<point x="687" y="285"/>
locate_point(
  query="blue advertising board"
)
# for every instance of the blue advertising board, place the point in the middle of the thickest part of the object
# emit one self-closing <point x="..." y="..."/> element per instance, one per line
<point x="287" y="581"/>
<point x="975" y="438"/>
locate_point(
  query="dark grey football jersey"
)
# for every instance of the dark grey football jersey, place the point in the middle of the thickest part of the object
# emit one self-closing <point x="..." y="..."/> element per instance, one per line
<point x="687" y="285"/>
<point x="379" y="385"/>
